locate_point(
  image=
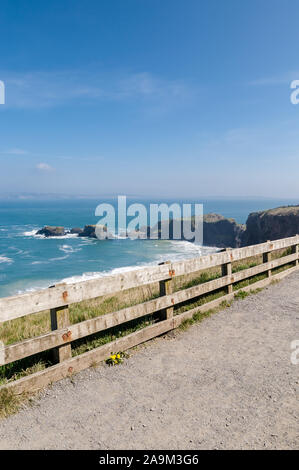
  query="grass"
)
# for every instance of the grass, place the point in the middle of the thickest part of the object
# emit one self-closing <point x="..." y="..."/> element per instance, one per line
<point x="94" y="341"/>
<point x="241" y="294"/>
<point x="281" y="253"/>
<point x="249" y="281"/>
<point x="198" y="317"/>
<point x="205" y="276"/>
<point x="10" y="402"/>
<point x="38" y="324"/>
<point x="280" y="269"/>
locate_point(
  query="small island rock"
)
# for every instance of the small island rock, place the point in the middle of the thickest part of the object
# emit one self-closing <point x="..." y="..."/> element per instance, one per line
<point x="49" y="231"/>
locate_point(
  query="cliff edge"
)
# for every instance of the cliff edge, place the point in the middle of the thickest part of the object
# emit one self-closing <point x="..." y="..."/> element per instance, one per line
<point x="271" y="224"/>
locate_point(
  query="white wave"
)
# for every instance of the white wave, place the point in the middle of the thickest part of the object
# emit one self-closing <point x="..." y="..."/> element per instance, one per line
<point x="98" y="274"/>
<point x="64" y="237"/>
<point x="177" y="250"/>
<point x="184" y="247"/>
<point x="5" y="259"/>
<point x="86" y="241"/>
<point x="33" y="233"/>
<point x="192" y="247"/>
<point x="59" y="258"/>
<point x="50" y="260"/>
<point x="18" y="250"/>
<point x="28" y="290"/>
<point x="69" y="249"/>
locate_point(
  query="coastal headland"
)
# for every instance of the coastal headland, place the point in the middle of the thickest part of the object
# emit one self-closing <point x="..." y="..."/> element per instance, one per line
<point x="219" y="231"/>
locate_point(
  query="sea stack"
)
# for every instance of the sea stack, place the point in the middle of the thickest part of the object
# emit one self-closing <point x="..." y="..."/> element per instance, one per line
<point x="49" y="231"/>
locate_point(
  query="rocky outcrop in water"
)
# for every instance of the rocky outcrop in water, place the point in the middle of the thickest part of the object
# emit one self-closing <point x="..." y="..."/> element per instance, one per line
<point x="49" y="231"/>
<point x="76" y="231"/>
<point x="218" y="231"/>
<point x="90" y="231"/>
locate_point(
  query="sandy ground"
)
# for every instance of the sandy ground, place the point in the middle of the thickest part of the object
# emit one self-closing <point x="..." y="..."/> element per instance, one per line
<point x="225" y="383"/>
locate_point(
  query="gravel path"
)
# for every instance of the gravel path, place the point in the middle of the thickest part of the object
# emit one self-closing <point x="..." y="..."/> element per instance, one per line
<point x="227" y="382"/>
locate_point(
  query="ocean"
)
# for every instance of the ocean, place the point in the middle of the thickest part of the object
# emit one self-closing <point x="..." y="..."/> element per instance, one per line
<point x="30" y="262"/>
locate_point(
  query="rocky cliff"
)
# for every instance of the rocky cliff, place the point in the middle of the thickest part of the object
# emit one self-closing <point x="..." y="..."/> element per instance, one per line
<point x="272" y="224"/>
<point x="221" y="232"/>
<point x="218" y="231"/>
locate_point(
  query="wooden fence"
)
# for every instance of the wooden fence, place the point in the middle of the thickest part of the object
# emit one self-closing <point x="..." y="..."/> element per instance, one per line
<point x="59" y="297"/>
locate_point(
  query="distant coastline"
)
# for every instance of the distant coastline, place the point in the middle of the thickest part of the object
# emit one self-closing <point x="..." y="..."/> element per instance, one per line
<point x="28" y="261"/>
<point x="218" y="231"/>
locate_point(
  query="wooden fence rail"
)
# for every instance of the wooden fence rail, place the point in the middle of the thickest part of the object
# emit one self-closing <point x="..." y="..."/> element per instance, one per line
<point x="59" y="297"/>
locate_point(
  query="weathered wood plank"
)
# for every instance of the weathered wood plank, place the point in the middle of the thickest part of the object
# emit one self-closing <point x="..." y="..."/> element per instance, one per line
<point x="80" y="330"/>
<point x="39" y="380"/>
<point x="166" y="288"/>
<point x="237" y="254"/>
<point x="261" y="268"/>
<point x="267" y="259"/>
<point x="178" y="319"/>
<point x="227" y="271"/>
<point x="35" y="382"/>
<point x="66" y="294"/>
<point x="60" y="318"/>
<point x="59" y="337"/>
<point x="295" y="250"/>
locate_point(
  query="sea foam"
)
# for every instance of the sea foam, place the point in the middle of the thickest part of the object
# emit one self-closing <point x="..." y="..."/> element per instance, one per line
<point x="5" y="259"/>
<point x="33" y="233"/>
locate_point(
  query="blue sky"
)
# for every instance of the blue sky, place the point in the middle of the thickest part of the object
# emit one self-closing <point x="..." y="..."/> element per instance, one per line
<point x="175" y="98"/>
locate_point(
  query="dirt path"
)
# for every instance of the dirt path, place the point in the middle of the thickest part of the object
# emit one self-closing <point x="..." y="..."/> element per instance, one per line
<point x="227" y="382"/>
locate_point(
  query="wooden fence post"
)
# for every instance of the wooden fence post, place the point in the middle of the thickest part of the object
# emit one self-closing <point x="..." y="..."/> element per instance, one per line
<point x="227" y="271"/>
<point x="267" y="259"/>
<point x="60" y="319"/>
<point x="295" y="249"/>
<point x="166" y="288"/>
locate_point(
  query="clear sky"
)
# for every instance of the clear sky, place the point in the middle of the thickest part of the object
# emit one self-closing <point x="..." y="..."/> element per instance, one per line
<point x="178" y="98"/>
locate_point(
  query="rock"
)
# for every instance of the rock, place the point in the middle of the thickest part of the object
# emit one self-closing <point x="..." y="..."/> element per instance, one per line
<point x="90" y="231"/>
<point x="221" y="232"/>
<point x="76" y="230"/>
<point x="217" y="231"/>
<point x="48" y="231"/>
<point x="272" y="224"/>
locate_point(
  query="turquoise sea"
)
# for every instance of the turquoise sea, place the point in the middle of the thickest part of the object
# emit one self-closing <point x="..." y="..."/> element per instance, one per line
<point x="31" y="262"/>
